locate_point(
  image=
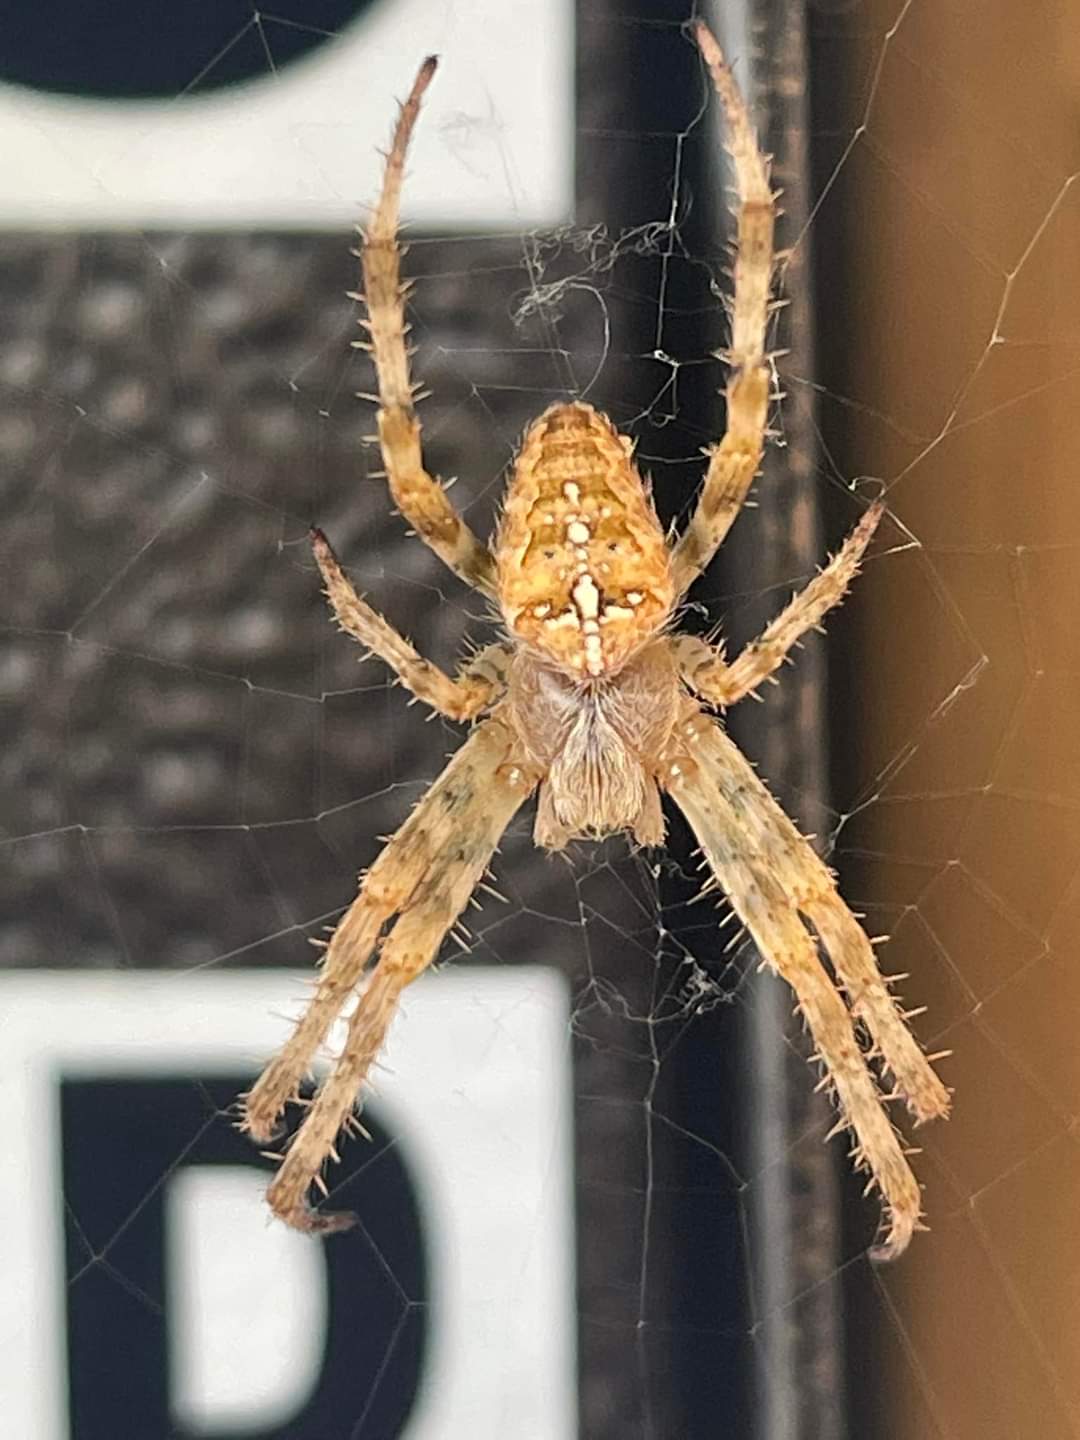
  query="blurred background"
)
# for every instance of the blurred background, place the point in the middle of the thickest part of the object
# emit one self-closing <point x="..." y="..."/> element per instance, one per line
<point x="596" y="1199"/>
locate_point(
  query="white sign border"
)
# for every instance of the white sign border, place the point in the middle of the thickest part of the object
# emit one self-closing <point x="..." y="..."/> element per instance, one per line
<point x="477" y="1083"/>
<point x="297" y="149"/>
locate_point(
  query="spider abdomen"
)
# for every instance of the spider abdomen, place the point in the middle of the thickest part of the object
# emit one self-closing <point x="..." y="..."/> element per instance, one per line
<point x="583" y="571"/>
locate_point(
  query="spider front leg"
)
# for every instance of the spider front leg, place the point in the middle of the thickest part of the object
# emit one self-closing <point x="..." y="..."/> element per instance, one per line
<point x="419" y="497"/>
<point x="734" y="462"/>
<point x="708" y="674"/>
<point x="474" y="690"/>
<point x="425" y="875"/>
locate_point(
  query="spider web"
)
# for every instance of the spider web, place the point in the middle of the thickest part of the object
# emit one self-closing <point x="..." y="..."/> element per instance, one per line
<point x="201" y="766"/>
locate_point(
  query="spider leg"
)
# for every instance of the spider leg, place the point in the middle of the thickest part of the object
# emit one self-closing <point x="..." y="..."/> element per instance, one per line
<point x="852" y="958"/>
<point x="771" y="874"/>
<point x="425" y="874"/>
<point x="475" y="689"/>
<point x="419" y="497"/>
<point x="734" y="462"/>
<point x="709" y="675"/>
<point x="812" y="888"/>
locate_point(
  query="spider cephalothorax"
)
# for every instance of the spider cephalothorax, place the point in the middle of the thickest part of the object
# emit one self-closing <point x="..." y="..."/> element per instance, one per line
<point x="598" y="706"/>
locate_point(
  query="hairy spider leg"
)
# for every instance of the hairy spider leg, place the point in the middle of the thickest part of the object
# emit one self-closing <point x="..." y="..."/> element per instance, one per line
<point x="721" y="683"/>
<point x="419" y="497"/>
<point x="475" y="688"/>
<point x="735" y="461"/>
<point x="770" y="873"/>
<point x="424" y="875"/>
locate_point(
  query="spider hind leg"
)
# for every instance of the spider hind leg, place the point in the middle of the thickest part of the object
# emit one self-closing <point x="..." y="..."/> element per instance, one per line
<point x="774" y="879"/>
<point x="425" y="876"/>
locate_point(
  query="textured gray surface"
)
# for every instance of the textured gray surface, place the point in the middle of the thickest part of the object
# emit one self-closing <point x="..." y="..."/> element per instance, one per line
<point x="795" y="1249"/>
<point x="182" y="410"/>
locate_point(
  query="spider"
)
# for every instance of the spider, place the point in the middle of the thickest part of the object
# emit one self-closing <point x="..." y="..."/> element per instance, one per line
<point x="595" y="703"/>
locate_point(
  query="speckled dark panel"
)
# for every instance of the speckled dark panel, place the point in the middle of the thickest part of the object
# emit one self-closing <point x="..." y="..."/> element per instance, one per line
<point x="175" y="414"/>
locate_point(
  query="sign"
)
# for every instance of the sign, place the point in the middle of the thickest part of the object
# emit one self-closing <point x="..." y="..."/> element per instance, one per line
<point x="145" y="1279"/>
<point x="297" y="147"/>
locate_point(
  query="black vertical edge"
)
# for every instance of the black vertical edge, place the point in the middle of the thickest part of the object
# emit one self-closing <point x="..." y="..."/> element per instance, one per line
<point x="634" y="1379"/>
<point x="690" y="1371"/>
<point x="835" y="36"/>
<point x="794" y="1230"/>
